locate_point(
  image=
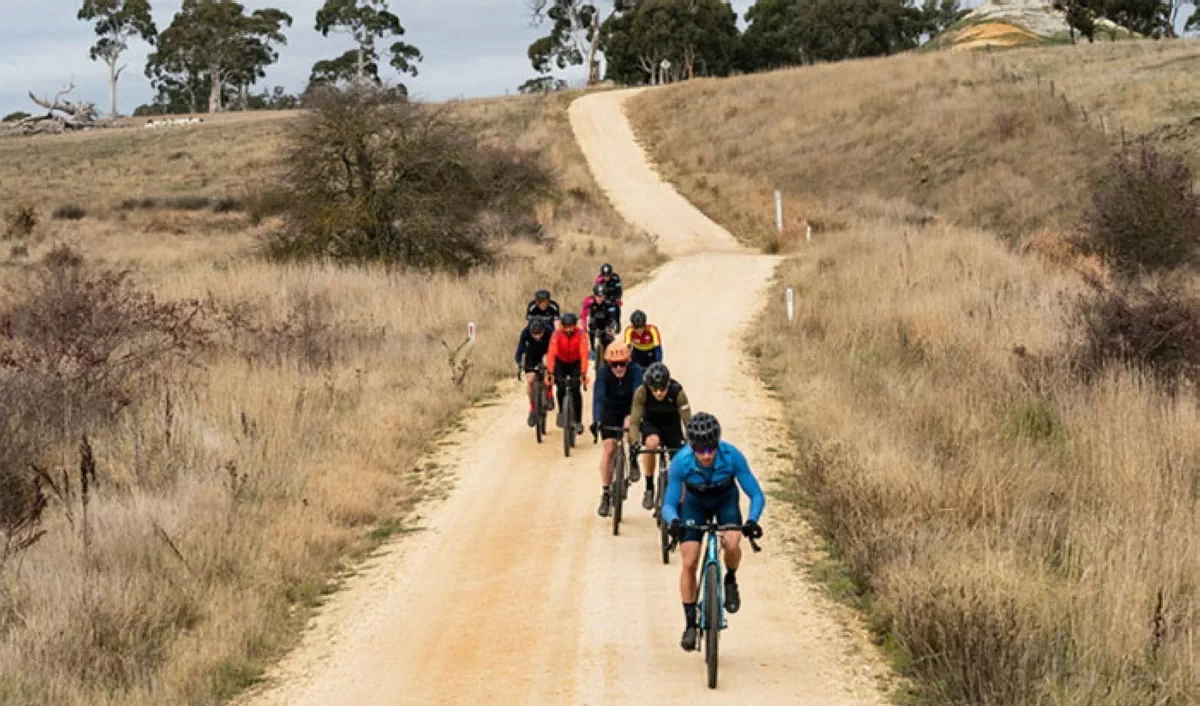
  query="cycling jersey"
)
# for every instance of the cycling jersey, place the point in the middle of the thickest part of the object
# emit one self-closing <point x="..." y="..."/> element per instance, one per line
<point x="664" y="418"/>
<point x="596" y="314"/>
<point x="567" y="348"/>
<point x="613" y="285"/>
<point x="712" y="485"/>
<point x="550" y="312"/>
<point x="613" y="396"/>
<point x="531" y="351"/>
<point x="647" y="341"/>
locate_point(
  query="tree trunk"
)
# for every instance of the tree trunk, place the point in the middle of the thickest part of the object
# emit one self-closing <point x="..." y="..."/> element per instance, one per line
<point x="112" y="86"/>
<point x="593" y="74"/>
<point x="214" y="91"/>
<point x="362" y="64"/>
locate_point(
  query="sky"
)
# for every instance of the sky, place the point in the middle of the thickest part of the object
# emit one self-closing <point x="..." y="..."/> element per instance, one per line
<point x="472" y="48"/>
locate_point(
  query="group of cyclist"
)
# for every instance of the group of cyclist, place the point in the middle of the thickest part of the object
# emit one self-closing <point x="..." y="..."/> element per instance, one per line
<point x="635" y="395"/>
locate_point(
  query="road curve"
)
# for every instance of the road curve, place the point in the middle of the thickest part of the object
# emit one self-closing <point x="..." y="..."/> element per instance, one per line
<point x="517" y="591"/>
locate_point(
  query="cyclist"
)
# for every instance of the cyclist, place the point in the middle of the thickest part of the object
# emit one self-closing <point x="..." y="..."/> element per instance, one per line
<point x="568" y="354"/>
<point x="612" y="401"/>
<point x="612" y="281"/>
<point x="644" y="339"/>
<point x="543" y="305"/>
<point x="708" y="469"/>
<point x="597" y="315"/>
<point x="660" y="412"/>
<point x="531" y="350"/>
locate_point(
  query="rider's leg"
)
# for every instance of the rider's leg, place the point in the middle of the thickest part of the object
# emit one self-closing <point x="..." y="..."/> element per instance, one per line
<point x="529" y="389"/>
<point x="652" y="441"/>
<point x="632" y="471"/>
<point x="606" y="471"/>
<point x="689" y="555"/>
<point x="730" y="513"/>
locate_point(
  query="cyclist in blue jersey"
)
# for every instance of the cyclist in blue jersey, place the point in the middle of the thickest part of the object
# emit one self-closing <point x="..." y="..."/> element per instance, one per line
<point x="711" y="471"/>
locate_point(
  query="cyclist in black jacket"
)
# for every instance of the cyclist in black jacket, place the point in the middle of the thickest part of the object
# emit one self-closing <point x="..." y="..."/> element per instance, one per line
<point x="542" y="305"/>
<point x="531" y="350"/>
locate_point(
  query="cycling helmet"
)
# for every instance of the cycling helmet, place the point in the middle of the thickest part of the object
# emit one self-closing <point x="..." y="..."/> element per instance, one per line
<point x="606" y="269"/>
<point x="539" y="324"/>
<point x="657" y="376"/>
<point x="703" y="430"/>
<point x="599" y="290"/>
<point x="542" y="295"/>
<point x="617" y="352"/>
<point x="638" y="318"/>
<point x="569" y="319"/>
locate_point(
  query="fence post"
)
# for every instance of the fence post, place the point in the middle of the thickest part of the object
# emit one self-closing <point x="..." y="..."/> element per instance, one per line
<point x="808" y="232"/>
<point x="791" y="306"/>
<point x="779" y="211"/>
<point x="471" y="331"/>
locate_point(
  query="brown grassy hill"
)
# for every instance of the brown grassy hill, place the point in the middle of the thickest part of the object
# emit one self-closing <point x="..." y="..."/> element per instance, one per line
<point x="230" y="493"/>
<point x="1015" y="534"/>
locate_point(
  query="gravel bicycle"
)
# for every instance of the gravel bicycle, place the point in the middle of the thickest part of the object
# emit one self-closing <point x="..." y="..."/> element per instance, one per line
<point x="665" y="455"/>
<point x="618" y="490"/>
<point x="712" y="592"/>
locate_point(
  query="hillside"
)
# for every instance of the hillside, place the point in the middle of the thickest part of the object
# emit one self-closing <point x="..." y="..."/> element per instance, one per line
<point x="1014" y="532"/>
<point x="235" y="482"/>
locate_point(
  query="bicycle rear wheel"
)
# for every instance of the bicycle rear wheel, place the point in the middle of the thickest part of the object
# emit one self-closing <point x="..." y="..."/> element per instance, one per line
<point x="539" y="409"/>
<point x="568" y="412"/>
<point x="664" y="537"/>
<point x="712" y="608"/>
<point x="617" y="489"/>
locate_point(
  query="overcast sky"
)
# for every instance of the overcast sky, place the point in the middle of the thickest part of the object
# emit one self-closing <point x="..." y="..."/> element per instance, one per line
<point x="471" y="48"/>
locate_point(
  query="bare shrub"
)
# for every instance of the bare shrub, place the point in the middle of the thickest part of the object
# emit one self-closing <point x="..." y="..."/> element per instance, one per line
<point x="1152" y="326"/>
<point x="372" y="179"/>
<point x="1145" y="215"/>
<point x="69" y="212"/>
<point x="19" y="221"/>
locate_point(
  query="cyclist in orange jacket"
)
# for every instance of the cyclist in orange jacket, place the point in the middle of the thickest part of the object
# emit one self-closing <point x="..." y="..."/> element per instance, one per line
<point x="568" y="355"/>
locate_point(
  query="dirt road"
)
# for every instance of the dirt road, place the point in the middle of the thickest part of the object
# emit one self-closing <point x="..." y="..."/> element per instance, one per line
<point x="517" y="592"/>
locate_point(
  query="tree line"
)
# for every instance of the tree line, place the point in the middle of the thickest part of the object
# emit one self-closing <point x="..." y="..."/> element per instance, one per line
<point x="214" y="51"/>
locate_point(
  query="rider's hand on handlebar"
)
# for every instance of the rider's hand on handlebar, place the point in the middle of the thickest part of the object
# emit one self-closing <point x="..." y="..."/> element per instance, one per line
<point x="752" y="529"/>
<point x="675" y="529"/>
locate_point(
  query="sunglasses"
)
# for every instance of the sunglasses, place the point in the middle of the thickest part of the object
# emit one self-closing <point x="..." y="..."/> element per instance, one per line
<point x="704" y="450"/>
<point x="617" y="365"/>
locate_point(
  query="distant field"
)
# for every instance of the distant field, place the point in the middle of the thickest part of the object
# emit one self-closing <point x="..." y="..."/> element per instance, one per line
<point x="1014" y="535"/>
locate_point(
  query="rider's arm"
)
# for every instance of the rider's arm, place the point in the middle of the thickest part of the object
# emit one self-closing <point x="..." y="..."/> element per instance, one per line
<point x="656" y="339"/>
<point x="598" y="395"/>
<point x="674" y="489"/>
<point x="684" y="407"/>
<point x="745" y="478"/>
<point x="629" y="336"/>
<point x="552" y="353"/>
<point x="584" y="310"/>
<point x="522" y="344"/>
<point x="583" y="356"/>
<point x="635" y="414"/>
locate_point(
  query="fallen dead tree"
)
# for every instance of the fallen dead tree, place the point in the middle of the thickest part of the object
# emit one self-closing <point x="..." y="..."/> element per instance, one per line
<point x="61" y="115"/>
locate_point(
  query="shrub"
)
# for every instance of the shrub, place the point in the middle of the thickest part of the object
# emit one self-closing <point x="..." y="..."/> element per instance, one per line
<point x="1152" y="326"/>
<point x="19" y="222"/>
<point x="227" y="204"/>
<point x="265" y="203"/>
<point x="1145" y="216"/>
<point x="371" y="179"/>
<point x="69" y="212"/>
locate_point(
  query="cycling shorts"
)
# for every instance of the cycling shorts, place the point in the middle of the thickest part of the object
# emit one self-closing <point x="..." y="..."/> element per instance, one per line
<point x="695" y="509"/>
<point x="668" y="436"/>
<point x="642" y="358"/>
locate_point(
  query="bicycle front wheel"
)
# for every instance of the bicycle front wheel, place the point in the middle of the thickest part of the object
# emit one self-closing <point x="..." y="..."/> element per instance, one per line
<point x="539" y="410"/>
<point x="568" y="412"/>
<point x="712" y="609"/>
<point x="617" y="489"/>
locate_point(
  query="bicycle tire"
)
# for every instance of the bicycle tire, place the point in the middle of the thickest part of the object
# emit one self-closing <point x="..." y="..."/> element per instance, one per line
<point x="617" y="488"/>
<point x="712" y="606"/>
<point x="568" y="408"/>
<point x="539" y="409"/>
<point x="664" y="537"/>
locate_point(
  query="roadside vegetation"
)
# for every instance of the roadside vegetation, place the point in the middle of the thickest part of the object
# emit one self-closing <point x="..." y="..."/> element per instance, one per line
<point x="199" y="439"/>
<point x="992" y="371"/>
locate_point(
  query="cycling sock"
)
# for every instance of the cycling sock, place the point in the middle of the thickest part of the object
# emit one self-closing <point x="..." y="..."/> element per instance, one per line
<point x="731" y="576"/>
<point x="606" y="490"/>
<point x="689" y="612"/>
<point x="649" y="481"/>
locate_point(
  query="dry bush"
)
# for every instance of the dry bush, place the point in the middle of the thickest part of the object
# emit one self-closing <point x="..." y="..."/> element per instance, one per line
<point x="376" y="180"/>
<point x="19" y="222"/>
<point x="69" y="212"/>
<point x="1145" y="214"/>
<point x="1024" y="537"/>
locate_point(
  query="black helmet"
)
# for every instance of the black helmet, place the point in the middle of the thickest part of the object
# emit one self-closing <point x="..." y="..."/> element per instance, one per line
<point x="541" y="295"/>
<point x="606" y="269"/>
<point x="703" y="430"/>
<point x="638" y="318"/>
<point x="657" y="376"/>
<point x="539" y="324"/>
<point x="569" y="319"/>
<point x="599" y="290"/>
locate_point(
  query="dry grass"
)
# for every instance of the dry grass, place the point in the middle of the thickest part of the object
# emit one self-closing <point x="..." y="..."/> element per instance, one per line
<point x="947" y="132"/>
<point x="228" y="497"/>
<point x="1019" y="537"/>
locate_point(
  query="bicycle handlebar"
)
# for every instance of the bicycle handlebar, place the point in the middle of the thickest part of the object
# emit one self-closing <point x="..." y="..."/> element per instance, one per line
<point x="714" y="527"/>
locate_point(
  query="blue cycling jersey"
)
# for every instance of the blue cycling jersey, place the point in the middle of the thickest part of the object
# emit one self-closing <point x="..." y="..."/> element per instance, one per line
<point x="729" y="463"/>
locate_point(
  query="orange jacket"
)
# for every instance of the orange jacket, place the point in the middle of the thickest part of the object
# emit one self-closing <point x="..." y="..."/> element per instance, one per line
<point x="568" y="349"/>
